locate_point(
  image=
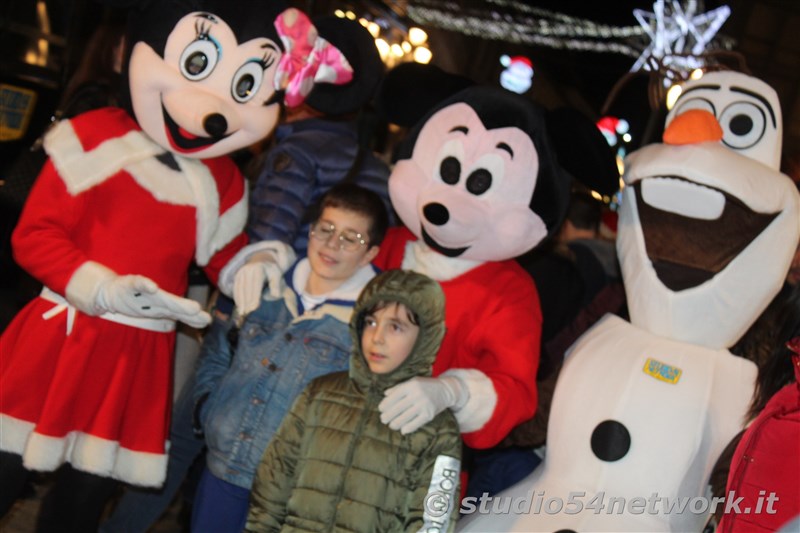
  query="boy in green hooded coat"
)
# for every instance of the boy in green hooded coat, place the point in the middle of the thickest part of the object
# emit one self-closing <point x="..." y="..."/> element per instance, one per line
<point x="333" y="465"/>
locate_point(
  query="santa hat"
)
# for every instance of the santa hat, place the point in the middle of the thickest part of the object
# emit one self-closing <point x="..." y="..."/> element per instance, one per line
<point x="507" y="61"/>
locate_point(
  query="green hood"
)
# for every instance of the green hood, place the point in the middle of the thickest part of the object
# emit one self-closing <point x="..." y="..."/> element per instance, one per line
<point x="418" y="293"/>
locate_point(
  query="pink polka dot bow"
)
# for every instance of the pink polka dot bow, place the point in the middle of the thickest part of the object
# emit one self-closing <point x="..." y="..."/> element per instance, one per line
<point x="308" y="59"/>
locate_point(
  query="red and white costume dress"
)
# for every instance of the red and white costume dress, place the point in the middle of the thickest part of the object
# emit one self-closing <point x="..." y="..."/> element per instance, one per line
<point x="493" y="333"/>
<point x="95" y="391"/>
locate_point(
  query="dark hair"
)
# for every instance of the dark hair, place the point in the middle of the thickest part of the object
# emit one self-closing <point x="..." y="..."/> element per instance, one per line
<point x="765" y="344"/>
<point x="383" y="304"/>
<point x="352" y="197"/>
<point x="584" y="211"/>
<point x="97" y="64"/>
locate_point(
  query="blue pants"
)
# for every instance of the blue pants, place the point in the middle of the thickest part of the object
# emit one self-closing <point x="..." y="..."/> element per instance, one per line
<point x="496" y="469"/>
<point x="219" y="506"/>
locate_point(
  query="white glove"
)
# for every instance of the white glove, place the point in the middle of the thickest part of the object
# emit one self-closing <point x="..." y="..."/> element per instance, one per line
<point x="412" y="404"/>
<point x="138" y="296"/>
<point x="249" y="282"/>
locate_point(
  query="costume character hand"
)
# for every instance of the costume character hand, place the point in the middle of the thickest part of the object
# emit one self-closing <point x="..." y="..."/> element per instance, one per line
<point x="412" y="404"/>
<point x="138" y="296"/>
<point x="250" y="278"/>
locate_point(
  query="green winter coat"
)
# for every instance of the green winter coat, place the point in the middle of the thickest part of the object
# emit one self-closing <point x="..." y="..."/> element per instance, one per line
<point x="334" y="466"/>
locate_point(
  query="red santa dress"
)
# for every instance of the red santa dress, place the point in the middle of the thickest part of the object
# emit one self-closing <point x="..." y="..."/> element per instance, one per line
<point x="494" y="325"/>
<point x="95" y="391"/>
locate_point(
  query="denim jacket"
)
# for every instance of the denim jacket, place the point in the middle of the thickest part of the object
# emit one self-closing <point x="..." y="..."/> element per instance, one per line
<point x="281" y="348"/>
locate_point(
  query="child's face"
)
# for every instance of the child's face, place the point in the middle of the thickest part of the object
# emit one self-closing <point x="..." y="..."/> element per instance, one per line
<point x="388" y="338"/>
<point x="330" y="257"/>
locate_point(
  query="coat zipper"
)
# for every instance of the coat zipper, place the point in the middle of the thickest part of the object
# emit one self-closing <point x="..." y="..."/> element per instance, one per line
<point x="351" y="452"/>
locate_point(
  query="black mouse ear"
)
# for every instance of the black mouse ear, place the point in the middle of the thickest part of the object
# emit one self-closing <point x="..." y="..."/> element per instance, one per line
<point x="410" y="90"/>
<point x="582" y="150"/>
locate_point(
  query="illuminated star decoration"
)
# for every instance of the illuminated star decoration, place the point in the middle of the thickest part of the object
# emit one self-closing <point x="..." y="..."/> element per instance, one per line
<point x="678" y="35"/>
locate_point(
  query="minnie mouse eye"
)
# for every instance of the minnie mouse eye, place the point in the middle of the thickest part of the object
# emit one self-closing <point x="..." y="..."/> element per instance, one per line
<point x="199" y="59"/>
<point x="247" y="81"/>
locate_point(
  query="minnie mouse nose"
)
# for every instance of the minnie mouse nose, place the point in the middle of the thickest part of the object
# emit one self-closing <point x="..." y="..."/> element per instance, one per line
<point x="215" y="125"/>
<point x="436" y="213"/>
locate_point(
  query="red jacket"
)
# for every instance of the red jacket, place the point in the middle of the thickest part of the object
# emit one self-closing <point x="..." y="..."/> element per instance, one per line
<point x="767" y="463"/>
<point x="494" y="328"/>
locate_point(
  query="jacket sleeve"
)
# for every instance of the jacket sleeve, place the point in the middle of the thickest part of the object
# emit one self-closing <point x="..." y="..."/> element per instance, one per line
<point x="43" y="240"/>
<point x="434" y="504"/>
<point x="280" y="198"/>
<point x="502" y="378"/>
<point x="214" y="361"/>
<point x="276" y="474"/>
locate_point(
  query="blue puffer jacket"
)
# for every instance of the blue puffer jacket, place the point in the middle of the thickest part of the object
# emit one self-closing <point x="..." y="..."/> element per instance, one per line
<point x="243" y="397"/>
<point x="310" y="157"/>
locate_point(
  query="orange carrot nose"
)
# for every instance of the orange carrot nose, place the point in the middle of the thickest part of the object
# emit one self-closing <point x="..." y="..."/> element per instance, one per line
<point x="693" y="126"/>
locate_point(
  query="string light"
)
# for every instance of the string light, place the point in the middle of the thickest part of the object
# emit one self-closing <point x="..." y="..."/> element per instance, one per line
<point x="678" y="35"/>
<point x="417" y="36"/>
<point x="422" y="55"/>
<point x="393" y="42"/>
<point x="516" y="22"/>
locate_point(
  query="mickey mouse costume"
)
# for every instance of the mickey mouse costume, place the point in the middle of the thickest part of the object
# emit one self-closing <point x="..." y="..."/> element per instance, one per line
<point x="126" y="201"/>
<point x="476" y="185"/>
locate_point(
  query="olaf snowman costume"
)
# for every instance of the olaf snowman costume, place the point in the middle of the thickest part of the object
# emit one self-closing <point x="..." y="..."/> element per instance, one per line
<point x="642" y="410"/>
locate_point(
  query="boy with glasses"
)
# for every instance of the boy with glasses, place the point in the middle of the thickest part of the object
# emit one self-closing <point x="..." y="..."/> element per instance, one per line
<point x="243" y="392"/>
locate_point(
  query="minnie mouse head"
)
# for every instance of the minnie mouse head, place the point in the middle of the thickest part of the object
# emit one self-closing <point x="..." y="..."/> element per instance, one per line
<point x="208" y="77"/>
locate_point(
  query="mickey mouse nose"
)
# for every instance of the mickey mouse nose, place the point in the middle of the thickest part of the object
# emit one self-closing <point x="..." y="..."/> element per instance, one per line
<point x="215" y="125"/>
<point x="436" y="213"/>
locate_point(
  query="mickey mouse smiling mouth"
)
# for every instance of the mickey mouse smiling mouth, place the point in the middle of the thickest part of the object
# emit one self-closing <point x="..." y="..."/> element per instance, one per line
<point x="186" y="142"/>
<point x="448" y="252"/>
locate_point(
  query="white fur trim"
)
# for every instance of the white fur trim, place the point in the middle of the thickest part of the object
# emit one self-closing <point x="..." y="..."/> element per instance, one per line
<point x="284" y="257"/>
<point x="230" y="224"/>
<point x="481" y="402"/>
<point x="14" y="433"/>
<point x="87" y="453"/>
<point x="419" y="257"/>
<point x="82" y="170"/>
<point x="164" y="183"/>
<point x="82" y="287"/>
<point x="207" y="201"/>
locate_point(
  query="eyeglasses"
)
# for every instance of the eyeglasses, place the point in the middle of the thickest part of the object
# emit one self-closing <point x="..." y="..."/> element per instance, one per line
<point x="349" y="240"/>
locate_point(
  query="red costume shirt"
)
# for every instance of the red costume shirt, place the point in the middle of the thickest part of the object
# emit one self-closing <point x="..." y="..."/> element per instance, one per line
<point x="493" y="325"/>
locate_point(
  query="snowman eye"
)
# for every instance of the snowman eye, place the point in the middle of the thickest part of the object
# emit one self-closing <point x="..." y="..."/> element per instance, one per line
<point x="743" y="125"/>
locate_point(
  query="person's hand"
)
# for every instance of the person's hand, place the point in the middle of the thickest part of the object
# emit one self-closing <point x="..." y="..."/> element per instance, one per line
<point x="249" y="282"/>
<point x="138" y="296"/>
<point x="412" y="404"/>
